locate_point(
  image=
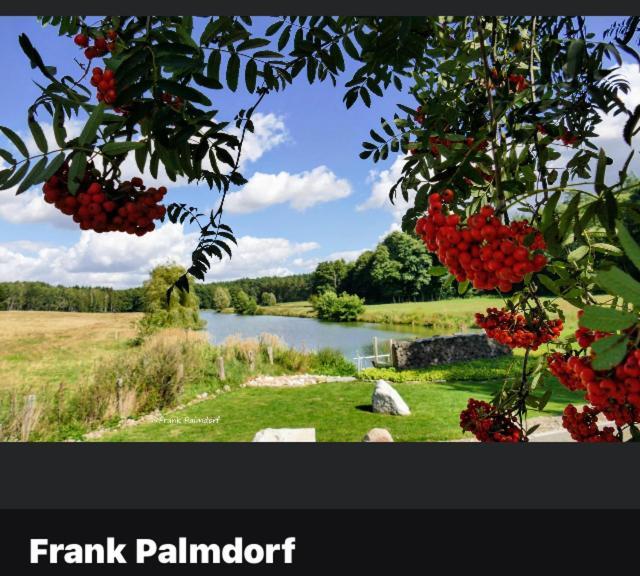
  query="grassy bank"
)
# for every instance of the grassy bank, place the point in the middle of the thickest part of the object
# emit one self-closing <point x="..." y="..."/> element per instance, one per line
<point x="456" y="314"/>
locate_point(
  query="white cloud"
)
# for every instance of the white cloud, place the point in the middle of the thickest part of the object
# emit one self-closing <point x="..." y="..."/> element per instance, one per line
<point x="346" y="255"/>
<point x="611" y="127"/>
<point x="121" y="260"/>
<point x="300" y="191"/>
<point x="381" y="183"/>
<point x="255" y="257"/>
<point x="269" y="131"/>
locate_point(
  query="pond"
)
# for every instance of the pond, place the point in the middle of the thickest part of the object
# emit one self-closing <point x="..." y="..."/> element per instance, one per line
<point x="351" y="338"/>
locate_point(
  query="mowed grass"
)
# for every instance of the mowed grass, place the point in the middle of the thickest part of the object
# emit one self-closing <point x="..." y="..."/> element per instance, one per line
<point x="44" y="349"/>
<point x="340" y="412"/>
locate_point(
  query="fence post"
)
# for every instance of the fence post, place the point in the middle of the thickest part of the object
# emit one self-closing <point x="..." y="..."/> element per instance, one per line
<point x="392" y="353"/>
<point x="29" y="417"/>
<point x="180" y="372"/>
<point x="119" y="399"/>
<point x="375" y="348"/>
<point x="270" y="354"/>
<point x="252" y="361"/>
<point x="60" y="400"/>
<point x="221" y="374"/>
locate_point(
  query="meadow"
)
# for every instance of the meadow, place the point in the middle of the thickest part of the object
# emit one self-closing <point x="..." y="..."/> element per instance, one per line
<point x="455" y="313"/>
<point x="88" y="371"/>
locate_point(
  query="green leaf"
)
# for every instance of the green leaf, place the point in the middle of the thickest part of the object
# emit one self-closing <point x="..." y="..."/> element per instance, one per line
<point x="233" y="71"/>
<point x="549" y="284"/>
<point x="437" y="271"/>
<point x="117" y="148"/>
<point x="630" y="246"/>
<point x="578" y="254"/>
<point x="252" y="43"/>
<point x="349" y="48"/>
<point x="213" y="66"/>
<point x="15" y="140"/>
<point x="38" y="135"/>
<point x="607" y="248"/>
<point x="17" y="176"/>
<point x="609" y="351"/>
<point x="32" y="177"/>
<point x="250" y="75"/>
<point x="574" y="56"/>
<point x="53" y="167"/>
<point x="463" y="287"/>
<point x="185" y="92"/>
<point x="630" y="125"/>
<point x="607" y="319"/>
<point x="550" y="209"/>
<point x="59" y="130"/>
<point x="600" y="171"/>
<point x="141" y="157"/>
<point x="618" y="283"/>
<point x="284" y="37"/>
<point x="88" y="134"/>
<point x="76" y="171"/>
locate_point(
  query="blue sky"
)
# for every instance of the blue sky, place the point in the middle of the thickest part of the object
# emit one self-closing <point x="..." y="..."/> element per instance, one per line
<point x="309" y="196"/>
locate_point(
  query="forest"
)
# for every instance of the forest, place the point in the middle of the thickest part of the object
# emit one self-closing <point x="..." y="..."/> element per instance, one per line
<point x="397" y="270"/>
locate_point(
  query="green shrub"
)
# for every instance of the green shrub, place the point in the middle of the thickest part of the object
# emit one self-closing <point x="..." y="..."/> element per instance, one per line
<point x="221" y="298"/>
<point x="245" y="304"/>
<point x="181" y="310"/>
<point x="331" y="362"/>
<point x="343" y="308"/>
<point x="268" y="299"/>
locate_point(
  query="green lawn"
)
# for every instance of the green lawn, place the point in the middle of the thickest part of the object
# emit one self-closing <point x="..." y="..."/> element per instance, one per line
<point x="340" y="412"/>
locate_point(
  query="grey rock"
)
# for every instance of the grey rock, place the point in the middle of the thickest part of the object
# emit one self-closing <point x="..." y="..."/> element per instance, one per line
<point x="386" y="400"/>
<point x="378" y="435"/>
<point x="285" y="435"/>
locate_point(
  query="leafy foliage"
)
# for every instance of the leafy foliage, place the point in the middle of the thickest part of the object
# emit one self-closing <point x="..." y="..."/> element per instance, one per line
<point x="343" y="308"/>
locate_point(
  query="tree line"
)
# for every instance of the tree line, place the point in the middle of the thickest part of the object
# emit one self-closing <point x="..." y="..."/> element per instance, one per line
<point x="397" y="270"/>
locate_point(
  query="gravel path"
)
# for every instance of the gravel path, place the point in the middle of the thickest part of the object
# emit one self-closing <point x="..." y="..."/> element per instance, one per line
<point x="294" y="381"/>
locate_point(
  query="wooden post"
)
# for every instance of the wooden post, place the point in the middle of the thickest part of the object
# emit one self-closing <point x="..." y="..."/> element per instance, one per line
<point x="252" y="361"/>
<point x="60" y="400"/>
<point x="270" y="354"/>
<point x="119" y="399"/>
<point x="221" y="374"/>
<point x="392" y="359"/>
<point x="375" y="348"/>
<point x="180" y="372"/>
<point x="29" y="417"/>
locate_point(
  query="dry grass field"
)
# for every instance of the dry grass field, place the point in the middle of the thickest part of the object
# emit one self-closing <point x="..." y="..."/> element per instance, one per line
<point x="49" y="348"/>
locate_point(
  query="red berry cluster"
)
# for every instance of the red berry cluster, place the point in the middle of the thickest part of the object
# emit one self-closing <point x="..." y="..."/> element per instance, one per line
<point x="615" y="392"/>
<point x="130" y="208"/>
<point x="435" y="141"/>
<point x="583" y="426"/>
<point x="105" y="82"/>
<point x="173" y="101"/>
<point x="483" y="250"/>
<point x="517" y="81"/>
<point x="568" y="139"/>
<point x="488" y="425"/>
<point x="515" y="331"/>
<point x="101" y="44"/>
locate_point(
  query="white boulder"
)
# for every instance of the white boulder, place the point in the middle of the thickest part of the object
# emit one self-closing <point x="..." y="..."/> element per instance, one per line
<point x="285" y="435"/>
<point x="386" y="400"/>
<point x="378" y="435"/>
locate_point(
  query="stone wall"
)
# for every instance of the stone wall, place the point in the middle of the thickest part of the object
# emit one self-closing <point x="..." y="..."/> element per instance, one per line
<point x="445" y="350"/>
